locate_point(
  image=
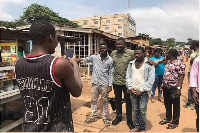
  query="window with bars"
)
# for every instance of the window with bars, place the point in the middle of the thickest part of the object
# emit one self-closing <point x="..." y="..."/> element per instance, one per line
<point x="107" y="21"/>
<point x="107" y="28"/>
<point x="119" y="34"/>
<point x="120" y="20"/>
<point x="120" y="27"/>
<point x="84" y="23"/>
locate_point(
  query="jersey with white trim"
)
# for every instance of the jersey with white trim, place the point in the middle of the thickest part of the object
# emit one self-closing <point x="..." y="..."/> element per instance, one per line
<point x="47" y="106"/>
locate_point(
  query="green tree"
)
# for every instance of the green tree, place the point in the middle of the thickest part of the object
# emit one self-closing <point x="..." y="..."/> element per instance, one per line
<point x="189" y="40"/>
<point x="144" y="35"/>
<point x="171" y="42"/>
<point x="37" y="12"/>
<point x="12" y="24"/>
<point x="155" y="41"/>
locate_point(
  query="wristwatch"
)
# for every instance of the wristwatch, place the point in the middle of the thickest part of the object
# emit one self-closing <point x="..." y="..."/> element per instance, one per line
<point x="179" y="88"/>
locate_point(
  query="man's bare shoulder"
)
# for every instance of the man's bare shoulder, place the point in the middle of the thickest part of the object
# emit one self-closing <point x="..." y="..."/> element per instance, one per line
<point x="62" y="63"/>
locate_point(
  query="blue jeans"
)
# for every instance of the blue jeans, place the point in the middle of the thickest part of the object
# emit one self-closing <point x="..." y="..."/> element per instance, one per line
<point x="157" y="83"/>
<point x="139" y="104"/>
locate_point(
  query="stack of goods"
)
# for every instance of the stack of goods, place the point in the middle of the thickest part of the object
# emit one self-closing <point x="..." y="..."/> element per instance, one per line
<point x="7" y="80"/>
<point x="3" y="64"/>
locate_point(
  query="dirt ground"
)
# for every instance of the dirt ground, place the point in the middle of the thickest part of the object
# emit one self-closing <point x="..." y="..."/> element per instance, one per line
<point x="155" y="112"/>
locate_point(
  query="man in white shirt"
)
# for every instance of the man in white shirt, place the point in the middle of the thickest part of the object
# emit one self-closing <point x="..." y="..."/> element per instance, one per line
<point x="140" y="77"/>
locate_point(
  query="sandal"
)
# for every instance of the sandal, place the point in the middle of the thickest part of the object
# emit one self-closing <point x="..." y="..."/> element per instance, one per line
<point x="106" y="122"/>
<point x="90" y="120"/>
<point x="164" y="121"/>
<point x="171" y="126"/>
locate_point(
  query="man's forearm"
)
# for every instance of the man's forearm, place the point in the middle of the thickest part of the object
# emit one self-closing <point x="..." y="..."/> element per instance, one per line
<point x="77" y="74"/>
<point x="193" y="90"/>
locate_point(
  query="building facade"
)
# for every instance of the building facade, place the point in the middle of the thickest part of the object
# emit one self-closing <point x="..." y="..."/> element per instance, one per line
<point x="122" y="25"/>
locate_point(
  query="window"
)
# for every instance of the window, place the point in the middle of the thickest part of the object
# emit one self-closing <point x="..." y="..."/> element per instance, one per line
<point x="107" y="28"/>
<point x="107" y="21"/>
<point x="84" y="23"/>
<point x="119" y="20"/>
<point x="95" y="22"/>
<point x="119" y="27"/>
<point x="119" y="34"/>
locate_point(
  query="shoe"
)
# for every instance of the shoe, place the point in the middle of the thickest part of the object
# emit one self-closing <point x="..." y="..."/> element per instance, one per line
<point x="116" y="120"/>
<point x="164" y="121"/>
<point x="130" y="124"/>
<point x="152" y="100"/>
<point x="171" y="126"/>
<point x="90" y="120"/>
<point x="192" y="106"/>
<point x="106" y="122"/>
<point x="186" y="105"/>
<point x="160" y="99"/>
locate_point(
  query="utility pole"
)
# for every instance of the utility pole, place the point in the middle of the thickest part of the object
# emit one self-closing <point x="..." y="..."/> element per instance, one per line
<point x="129" y="4"/>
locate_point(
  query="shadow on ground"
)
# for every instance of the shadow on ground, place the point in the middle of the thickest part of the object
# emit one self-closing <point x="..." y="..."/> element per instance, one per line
<point x="162" y="116"/>
<point x="148" y="125"/>
<point x="76" y="104"/>
<point x="185" y="100"/>
<point x="189" y="130"/>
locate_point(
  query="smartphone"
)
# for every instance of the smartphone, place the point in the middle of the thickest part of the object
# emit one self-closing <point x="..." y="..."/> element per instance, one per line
<point x="69" y="53"/>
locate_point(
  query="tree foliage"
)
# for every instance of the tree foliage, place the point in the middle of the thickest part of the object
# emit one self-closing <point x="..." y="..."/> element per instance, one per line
<point x="171" y="42"/>
<point x="155" y="41"/>
<point x="189" y="40"/>
<point x="37" y="12"/>
<point x="144" y="35"/>
<point x="12" y="24"/>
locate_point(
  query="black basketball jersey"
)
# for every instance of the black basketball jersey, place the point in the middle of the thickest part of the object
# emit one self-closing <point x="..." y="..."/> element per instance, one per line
<point x="47" y="106"/>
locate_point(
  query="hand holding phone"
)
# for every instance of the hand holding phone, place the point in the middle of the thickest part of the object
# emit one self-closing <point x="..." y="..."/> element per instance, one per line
<point x="69" y="53"/>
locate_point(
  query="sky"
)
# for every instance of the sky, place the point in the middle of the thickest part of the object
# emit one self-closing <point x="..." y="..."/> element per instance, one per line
<point x="158" y="18"/>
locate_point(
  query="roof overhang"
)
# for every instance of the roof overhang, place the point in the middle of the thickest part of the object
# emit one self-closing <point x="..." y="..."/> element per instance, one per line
<point x="23" y="34"/>
<point x="7" y="34"/>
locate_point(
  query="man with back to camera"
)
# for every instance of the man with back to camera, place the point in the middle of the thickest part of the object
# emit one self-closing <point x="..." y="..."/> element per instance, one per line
<point x="102" y="81"/>
<point x="46" y="83"/>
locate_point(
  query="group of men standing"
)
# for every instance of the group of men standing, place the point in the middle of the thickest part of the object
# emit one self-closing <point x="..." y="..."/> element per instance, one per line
<point x="136" y="76"/>
<point x="125" y="70"/>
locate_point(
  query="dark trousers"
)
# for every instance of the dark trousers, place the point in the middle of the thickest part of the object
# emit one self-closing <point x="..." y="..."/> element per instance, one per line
<point x="118" y="101"/>
<point x="190" y="100"/>
<point x="169" y="101"/>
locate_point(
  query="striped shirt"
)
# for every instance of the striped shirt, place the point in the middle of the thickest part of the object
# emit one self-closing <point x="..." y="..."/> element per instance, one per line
<point x="102" y="70"/>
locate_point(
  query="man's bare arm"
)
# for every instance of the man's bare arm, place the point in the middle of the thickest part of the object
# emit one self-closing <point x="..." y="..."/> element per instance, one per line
<point x="68" y="74"/>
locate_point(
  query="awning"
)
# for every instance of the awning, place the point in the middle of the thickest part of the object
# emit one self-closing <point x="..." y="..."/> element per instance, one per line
<point x="12" y="34"/>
